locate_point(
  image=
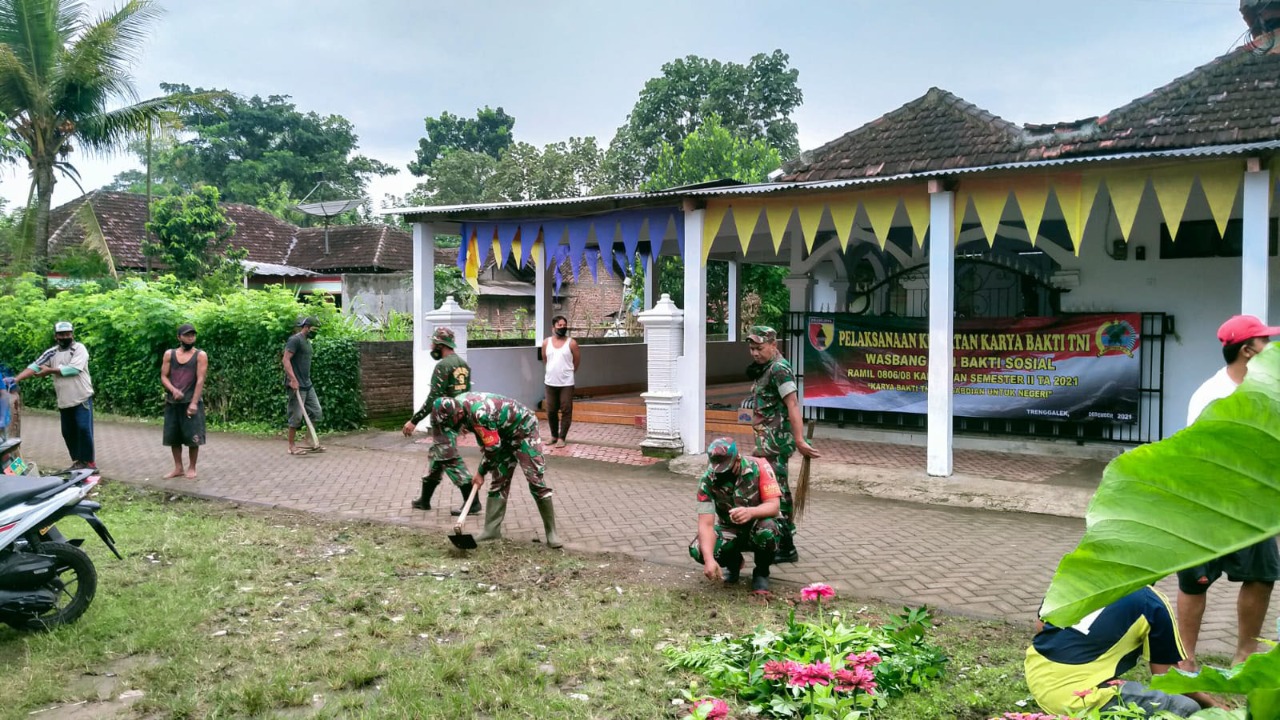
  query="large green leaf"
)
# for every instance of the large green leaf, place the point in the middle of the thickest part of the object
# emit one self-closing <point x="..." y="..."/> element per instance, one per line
<point x="1258" y="677"/>
<point x="1204" y="492"/>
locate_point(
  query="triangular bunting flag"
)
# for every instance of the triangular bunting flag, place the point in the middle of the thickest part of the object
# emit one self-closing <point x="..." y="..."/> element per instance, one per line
<point x="658" y="232"/>
<point x="1221" y="184"/>
<point x="745" y="218"/>
<point x="880" y="210"/>
<point x="623" y="262"/>
<point x="606" y="230"/>
<point x="778" y="215"/>
<point x="529" y="235"/>
<point x="1032" y="195"/>
<point x="843" y="212"/>
<point x="1125" y="190"/>
<point x="959" y="213"/>
<point x="496" y="253"/>
<point x="507" y="233"/>
<point x="516" y="255"/>
<point x="536" y="252"/>
<point x="472" y="270"/>
<point x="711" y="223"/>
<point x="810" y="218"/>
<point x="485" y="235"/>
<point x="630" y="225"/>
<point x="917" y="207"/>
<point x="552" y="239"/>
<point x="593" y="263"/>
<point x="989" y="202"/>
<point x="579" y="235"/>
<point x="1173" y="187"/>
<point x="462" y="246"/>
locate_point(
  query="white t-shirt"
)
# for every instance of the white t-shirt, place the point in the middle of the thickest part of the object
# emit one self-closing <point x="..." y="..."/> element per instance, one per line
<point x="559" y="370"/>
<point x="1215" y="388"/>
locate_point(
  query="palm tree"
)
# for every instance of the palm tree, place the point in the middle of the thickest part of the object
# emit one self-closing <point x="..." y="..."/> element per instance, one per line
<point x="63" y="78"/>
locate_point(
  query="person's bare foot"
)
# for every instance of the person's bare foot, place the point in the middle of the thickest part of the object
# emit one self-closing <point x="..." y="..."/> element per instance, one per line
<point x="191" y="474"/>
<point x="560" y="443"/>
<point x="174" y="473"/>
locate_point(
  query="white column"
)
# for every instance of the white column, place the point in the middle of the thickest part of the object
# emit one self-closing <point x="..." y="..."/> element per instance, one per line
<point x="800" y="287"/>
<point x="456" y="318"/>
<point x="693" y="364"/>
<point x="942" y="264"/>
<point x="664" y="341"/>
<point x="543" y="297"/>
<point x="424" y="301"/>
<point x="735" y="267"/>
<point x="1254" y="257"/>
<point x="650" y="281"/>
<point x="841" y="287"/>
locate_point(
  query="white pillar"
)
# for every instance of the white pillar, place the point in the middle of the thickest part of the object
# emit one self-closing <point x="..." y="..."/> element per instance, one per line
<point x="543" y="297"/>
<point x="734" y="321"/>
<point x="841" y="287"/>
<point x="800" y="287"/>
<point x="693" y="365"/>
<point x="651" y="270"/>
<point x="664" y="341"/>
<point x="424" y="301"/>
<point x="456" y="318"/>
<point x="942" y="294"/>
<point x="1254" y="257"/>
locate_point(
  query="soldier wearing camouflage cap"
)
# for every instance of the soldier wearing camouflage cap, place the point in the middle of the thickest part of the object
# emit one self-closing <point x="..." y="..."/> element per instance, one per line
<point x="738" y="511"/>
<point x="451" y="377"/>
<point x="777" y="422"/>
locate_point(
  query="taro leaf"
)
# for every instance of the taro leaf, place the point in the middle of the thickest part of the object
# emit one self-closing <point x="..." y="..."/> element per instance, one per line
<point x="1200" y="494"/>
<point x="1258" y="677"/>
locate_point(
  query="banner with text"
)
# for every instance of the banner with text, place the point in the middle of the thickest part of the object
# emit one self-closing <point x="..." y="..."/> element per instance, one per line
<point x="1079" y="368"/>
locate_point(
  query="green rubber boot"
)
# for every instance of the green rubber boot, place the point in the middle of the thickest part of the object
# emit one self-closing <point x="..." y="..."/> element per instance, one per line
<point x="547" y="510"/>
<point x="493" y="519"/>
<point x="428" y="489"/>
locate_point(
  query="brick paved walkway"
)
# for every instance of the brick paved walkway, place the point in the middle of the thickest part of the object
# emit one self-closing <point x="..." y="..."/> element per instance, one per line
<point x="980" y="563"/>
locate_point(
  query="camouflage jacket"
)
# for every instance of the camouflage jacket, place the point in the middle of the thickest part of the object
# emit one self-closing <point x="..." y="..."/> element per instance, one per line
<point x="498" y="423"/>
<point x="772" y="426"/>
<point x="720" y="493"/>
<point x="451" y="377"/>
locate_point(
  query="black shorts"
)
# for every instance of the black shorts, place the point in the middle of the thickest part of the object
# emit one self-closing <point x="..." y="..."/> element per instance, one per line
<point x="181" y="430"/>
<point x="1256" y="563"/>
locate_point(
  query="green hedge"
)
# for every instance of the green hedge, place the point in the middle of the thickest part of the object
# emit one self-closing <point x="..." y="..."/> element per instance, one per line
<point x="127" y="329"/>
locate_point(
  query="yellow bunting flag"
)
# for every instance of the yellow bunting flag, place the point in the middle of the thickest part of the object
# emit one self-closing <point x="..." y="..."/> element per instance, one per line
<point x="535" y="252"/>
<point x="1126" y="189"/>
<point x="496" y="250"/>
<point x="960" y="211"/>
<point x="843" y="213"/>
<point x="745" y="218"/>
<point x="711" y="227"/>
<point x="989" y="202"/>
<point x="1075" y="199"/>
<point x="1173" y="187"/>
<point x="1032" y="195"/>
<point x="472" y="269"/>
<point x="880" y="210"/>
<point x="810" y="219"/>
<point x="1221" y="184"/>
<point x="917" y="207"/>
<point x="778" y="214"/>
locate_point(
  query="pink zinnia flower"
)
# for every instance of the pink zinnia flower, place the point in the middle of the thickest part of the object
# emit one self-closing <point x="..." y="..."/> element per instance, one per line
<point x="870" y="658"/>
<point x="719" y="709"/>
<point x="817" y="591"/>
<point x="778" y="669"/>
<point x="857" y="678"/>
<point x="1115" y="683"/>
<point x="818" y="673"/>
<point x="1083" y="693"/>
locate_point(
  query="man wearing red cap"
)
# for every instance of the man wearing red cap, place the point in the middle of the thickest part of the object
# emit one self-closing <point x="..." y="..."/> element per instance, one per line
<point x="1256" y="568"/>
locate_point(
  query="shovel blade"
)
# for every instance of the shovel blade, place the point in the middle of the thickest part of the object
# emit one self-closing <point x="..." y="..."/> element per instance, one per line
<point x="463" y="542"/>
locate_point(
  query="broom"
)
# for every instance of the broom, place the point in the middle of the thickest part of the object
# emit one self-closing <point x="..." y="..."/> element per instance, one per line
<point x="801" y="495"/>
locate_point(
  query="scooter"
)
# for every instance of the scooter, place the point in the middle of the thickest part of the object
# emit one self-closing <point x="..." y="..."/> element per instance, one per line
<point x="46" y="580"/>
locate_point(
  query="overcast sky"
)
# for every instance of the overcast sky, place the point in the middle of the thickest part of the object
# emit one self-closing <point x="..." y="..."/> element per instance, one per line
<point x="574" y="67"/>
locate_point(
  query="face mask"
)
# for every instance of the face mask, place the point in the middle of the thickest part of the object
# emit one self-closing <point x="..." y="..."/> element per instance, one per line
<point x="187" y="345"/>
<point x="64" y="343"/>
<point x="561" y="332"/>
<point x="436" y="354"/>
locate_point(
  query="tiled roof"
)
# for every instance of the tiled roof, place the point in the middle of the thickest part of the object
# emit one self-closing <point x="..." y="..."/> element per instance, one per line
<point x="936" y="131"/>
<point x="353" y="247"/>
<point x="1233" y="99"/>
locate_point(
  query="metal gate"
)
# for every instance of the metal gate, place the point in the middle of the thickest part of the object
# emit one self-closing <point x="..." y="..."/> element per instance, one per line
<point x="1025" y="295"/>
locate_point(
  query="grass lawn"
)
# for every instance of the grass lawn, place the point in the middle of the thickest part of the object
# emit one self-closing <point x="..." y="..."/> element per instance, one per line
<point x="221" y="612"/>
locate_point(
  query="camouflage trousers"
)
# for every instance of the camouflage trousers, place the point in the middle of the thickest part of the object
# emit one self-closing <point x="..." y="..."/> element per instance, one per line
<point x="732" y="541"/>
<point x="454" y="468"/>
<point x="786" y="506"/>
<point x="526" y="452"/>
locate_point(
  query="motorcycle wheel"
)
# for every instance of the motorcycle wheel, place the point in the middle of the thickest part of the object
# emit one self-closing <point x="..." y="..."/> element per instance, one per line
<point x="75" y="581"/>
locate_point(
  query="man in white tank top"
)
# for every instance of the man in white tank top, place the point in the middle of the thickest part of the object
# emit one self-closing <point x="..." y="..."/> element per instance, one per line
<point x="562" y="359"/>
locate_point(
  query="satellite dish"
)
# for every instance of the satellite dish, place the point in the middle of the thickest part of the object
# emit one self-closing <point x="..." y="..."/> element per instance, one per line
<point x="326" y="209"/>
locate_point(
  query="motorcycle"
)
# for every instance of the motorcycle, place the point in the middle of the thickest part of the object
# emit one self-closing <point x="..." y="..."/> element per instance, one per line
<point x="46" y="580"/>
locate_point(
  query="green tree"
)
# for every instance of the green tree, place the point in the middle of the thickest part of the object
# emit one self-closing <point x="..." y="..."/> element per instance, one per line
<point x="62" y="78"/>
<point x="754" y="102"/>
<point x="260" y="151"/>
<point x="192" y="235"/>
<point x="488" y="134"/>
<point x="521" y="172"/>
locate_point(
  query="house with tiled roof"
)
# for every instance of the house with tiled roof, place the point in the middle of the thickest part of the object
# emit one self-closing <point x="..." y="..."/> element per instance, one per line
<point x="955" y="274"/>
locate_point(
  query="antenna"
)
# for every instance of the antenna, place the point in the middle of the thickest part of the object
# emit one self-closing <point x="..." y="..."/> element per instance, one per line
<point x="327" y="209"/>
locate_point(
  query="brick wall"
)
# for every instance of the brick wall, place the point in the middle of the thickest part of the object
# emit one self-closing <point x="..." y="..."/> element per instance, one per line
<point x="386" y="379"/>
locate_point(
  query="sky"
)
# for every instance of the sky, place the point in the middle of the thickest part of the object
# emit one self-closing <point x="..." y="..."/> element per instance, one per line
<point x="567" y="68"/>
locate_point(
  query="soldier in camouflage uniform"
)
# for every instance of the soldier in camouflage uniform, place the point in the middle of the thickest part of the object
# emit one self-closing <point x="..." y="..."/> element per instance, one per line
<point x="777" y="422"/>
<point x="738" y="499"/>
<point x="452" y="376"/>
<point x="507" y="433"/>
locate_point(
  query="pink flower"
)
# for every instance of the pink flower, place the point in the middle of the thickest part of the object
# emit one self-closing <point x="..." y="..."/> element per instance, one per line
<point x="1083" y="693"/>
<point x="857" y="678"/>
<point x="778" y="670"/>
<point x="719" y="709"/>
<point x="870" y="658"/>
<point x="817" y="591"/>
<point x="818" y="673"/>
<point x="1115" y="683"/>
